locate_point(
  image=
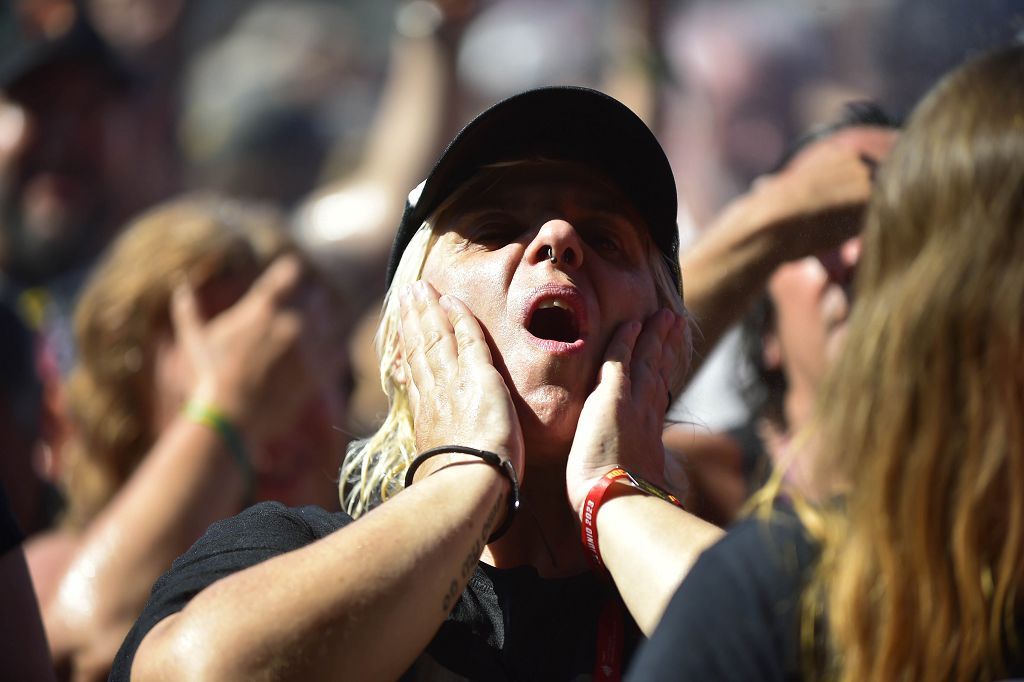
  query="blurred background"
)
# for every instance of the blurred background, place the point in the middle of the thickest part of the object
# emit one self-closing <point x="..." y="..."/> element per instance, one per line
<point x="333" y="110"/>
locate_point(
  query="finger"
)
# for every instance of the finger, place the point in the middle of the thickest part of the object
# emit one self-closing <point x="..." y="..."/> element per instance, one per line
<point x="649" y="384"/>
<point x="674" y="349"/>
<point x="428" y="341"/>
<point x="651" y="343"/>
<point x="620" y="351"/>
<point x="411" y="390"/>
<point x="186" y="321"/>
<point x="469" y="335"/>
<point x="279" y="280"/>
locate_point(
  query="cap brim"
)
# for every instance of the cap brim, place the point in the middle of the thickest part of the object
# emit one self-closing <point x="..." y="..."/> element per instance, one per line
<point x="562" y="124"/>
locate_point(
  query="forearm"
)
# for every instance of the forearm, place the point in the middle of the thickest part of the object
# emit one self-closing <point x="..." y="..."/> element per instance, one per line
<point x="414" y="108"/>
<point x="648" y="546"/>
<point x="185" y="483"/>
<point x="727" y="268"/>
<point x="361" y="603"/>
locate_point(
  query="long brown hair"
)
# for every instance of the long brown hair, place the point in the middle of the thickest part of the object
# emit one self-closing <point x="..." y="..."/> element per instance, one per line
<point x="120" y="315"/>
<point x="921" y="421"/>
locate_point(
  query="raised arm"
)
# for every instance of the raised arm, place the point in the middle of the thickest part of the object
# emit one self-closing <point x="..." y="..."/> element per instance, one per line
<point x="365" y="601"/>
<point x="814" y="204"/>
<point x="646" y="543"/>
<point x="252" y="364"/>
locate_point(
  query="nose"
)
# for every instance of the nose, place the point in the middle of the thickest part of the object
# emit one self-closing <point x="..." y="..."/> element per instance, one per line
<point x="558" y="243"/>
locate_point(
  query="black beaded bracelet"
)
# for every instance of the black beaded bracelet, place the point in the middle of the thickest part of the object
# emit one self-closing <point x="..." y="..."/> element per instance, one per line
<point x="494" y="459"/>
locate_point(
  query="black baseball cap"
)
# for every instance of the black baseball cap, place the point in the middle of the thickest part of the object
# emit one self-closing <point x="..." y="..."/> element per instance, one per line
<point x="564" y="123"/>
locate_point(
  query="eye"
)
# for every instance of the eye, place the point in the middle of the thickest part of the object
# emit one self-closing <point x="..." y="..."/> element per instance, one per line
<point x="495" y="230"/>
<point x="603" y="238"/>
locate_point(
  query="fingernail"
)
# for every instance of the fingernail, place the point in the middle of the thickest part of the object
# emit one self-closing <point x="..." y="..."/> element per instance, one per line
<point x="445" y="301"/>
<point x="419" y="289"/>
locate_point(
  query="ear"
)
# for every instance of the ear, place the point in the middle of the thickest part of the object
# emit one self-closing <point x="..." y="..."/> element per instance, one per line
<point x="771" y="351"/>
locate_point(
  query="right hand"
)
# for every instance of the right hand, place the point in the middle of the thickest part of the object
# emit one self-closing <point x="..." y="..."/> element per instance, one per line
<point x="817" y="201"/>
<point x="457" y="395"/>
<point x="260" y="360"/>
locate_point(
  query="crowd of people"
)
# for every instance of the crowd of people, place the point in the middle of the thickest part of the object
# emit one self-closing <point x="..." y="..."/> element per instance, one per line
<point x="274" y="406"/>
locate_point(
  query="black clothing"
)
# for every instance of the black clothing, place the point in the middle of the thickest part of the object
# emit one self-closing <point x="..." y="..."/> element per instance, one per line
<point x="757" y="465"/>
<point x="10" y="533"/>
<point x="737" y="614"/>
<point x="736" y="617"/>
<point x="508" y="624"/>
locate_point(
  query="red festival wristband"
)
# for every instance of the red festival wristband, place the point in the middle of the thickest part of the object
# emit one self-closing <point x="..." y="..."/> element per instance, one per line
<point x="595" y="498"/>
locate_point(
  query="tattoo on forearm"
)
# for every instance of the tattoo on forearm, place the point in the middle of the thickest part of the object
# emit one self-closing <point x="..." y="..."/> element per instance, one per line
<point x="469" y="563"/>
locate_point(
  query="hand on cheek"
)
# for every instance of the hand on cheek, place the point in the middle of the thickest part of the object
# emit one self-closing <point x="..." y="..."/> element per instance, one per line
<point x="622" y="419"/>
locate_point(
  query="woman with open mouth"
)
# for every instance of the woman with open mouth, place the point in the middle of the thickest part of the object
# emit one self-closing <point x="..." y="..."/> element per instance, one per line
<point x="511" y="518"/>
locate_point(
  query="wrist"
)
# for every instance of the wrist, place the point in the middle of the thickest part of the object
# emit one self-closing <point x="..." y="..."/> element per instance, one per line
<point x="616" y="482"/>
<point x="498" y="462"/>
<point x="209" y="415"/>
<point x="579" y="488"/>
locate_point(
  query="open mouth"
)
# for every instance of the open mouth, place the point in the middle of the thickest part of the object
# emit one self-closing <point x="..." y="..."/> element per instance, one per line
<point x="554" y="320"/>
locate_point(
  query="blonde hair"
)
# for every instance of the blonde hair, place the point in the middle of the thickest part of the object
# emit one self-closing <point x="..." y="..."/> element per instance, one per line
<point x="374" y="467"/>
<point x="920" y="421"/>
<point x="122" y="311"/>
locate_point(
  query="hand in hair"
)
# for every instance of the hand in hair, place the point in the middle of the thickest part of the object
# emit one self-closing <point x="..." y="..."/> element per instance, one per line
<point x="817" y="201"/>
<point x="259" y="361"/>
<point x="811" y="206"/>
<point x="622" y="419"/>
<point x="457" y="395"/>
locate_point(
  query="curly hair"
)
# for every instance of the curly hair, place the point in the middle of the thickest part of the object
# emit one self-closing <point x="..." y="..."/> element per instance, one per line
<point x="122" y="312"/>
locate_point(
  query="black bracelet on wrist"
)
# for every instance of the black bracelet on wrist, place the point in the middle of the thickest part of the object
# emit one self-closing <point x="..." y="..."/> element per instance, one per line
<point x="494" y="459"/>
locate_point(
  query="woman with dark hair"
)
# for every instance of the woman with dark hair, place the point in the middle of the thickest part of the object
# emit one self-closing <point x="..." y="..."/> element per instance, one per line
<point x="902" y="556"/>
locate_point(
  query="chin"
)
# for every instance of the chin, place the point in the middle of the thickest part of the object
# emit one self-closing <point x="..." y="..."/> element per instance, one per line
<point x="548" y="418"/>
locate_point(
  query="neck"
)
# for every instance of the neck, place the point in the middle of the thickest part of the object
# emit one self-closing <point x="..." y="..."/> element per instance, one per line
<point x="546" y="532"/>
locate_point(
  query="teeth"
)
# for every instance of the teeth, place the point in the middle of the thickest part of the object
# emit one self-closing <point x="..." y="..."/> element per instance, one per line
<point x="554" y="303"/>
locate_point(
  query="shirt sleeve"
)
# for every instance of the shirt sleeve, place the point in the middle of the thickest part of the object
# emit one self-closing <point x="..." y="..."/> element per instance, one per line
<point x="259" y="533"/>
<point x="736" y="616"/>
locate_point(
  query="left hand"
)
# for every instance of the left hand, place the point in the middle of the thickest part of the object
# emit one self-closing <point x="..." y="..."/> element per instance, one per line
<point x="621" y="421"/>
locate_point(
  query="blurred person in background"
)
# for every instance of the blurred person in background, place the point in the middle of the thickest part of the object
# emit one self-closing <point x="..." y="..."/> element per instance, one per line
<point x="25" y="500"/>
<point x="75" y="162"/>
<point x="781" y="258"/>
<point x="24" y="428"/>
<point x="742" y="74"/>
<point x="211" y="374"/>
<point x="901" y="557"/>
<point x="347" y="224"/>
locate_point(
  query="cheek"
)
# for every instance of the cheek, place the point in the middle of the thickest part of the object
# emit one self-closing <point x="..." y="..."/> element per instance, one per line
<point x="796" y="288"/>
<point x="630" y="298"/>
<point x="481" y="281"/>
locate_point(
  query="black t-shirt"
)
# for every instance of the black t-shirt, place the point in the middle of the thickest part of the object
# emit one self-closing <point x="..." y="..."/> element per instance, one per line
<point x="736" y="617"/>
<point x="509" y="624"/>
<point x="10" y="534"/>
